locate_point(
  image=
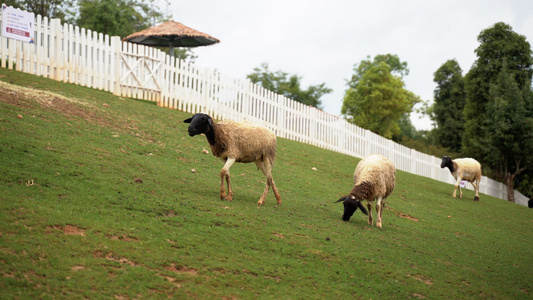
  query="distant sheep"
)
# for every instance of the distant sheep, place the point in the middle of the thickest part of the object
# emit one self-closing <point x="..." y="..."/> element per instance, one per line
<point x="238" y="142"/>
<point x="374" y="178"/>
<point x="467" y="169"/>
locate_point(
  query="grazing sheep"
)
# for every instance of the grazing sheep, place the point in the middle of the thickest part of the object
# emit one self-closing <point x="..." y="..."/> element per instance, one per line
<point x="467" y="169"/>
<point x="238" y="142"/>
<point x="374" y="178"/>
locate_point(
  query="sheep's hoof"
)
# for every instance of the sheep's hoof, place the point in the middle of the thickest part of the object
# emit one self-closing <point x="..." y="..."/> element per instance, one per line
<point x="476" y="198"/>
<point x="260" y="203"/>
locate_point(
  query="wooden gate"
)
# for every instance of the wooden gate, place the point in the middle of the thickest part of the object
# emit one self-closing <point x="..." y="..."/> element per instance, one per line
<point x="142" y="70"/>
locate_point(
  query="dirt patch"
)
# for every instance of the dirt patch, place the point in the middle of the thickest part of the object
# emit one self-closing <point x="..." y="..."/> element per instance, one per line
<point x="279" y="235"/>
<point x="71" y="108"/>
<point x="122" y="237"/>
<point x="112" y="257"/>
<point x="423" y="279"/>
<point x="27" y="97"/>
<point x="171" y="279"/>
<point x="77" y="268"/>
<point x="419" y="296"/>
<point x="69" y="229"/>
<point x="402" y="215"/>
<point x="182" y="269"/>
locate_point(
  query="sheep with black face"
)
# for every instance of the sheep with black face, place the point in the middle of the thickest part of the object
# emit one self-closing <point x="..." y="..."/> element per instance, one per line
<point x="467" y="169"/>
<point x="374" y="179"/>
<point x="240" y="142"/>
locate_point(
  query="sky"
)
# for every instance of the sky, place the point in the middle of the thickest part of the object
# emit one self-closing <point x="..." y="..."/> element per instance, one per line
<point x="321" y="41"/>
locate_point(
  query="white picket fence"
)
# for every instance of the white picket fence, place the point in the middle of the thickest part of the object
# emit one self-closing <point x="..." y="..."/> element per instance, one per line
<point x="71" y="54"/>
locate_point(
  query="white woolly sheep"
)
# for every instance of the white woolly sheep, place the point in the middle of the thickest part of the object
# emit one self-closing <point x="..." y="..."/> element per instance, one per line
<point x="467" y="169"/>
<point x="374" y="178"/>
<point x="240" y="142"/>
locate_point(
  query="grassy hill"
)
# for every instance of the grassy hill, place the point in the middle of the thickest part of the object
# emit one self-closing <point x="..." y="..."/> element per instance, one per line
<point x="97" y="199"/>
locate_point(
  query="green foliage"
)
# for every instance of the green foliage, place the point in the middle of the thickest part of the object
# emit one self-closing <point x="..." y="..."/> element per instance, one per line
<point x="510" y="150"/>
<point x="423" y="141"/>
<point x="449" y="104"/>
<point x="289" y="86"/>
<point x="397" y="67"/>
<point x="117" y="17"/>
<point x="98" y="201"/>
<point x="185" y="54"/>
<point x="525" y="183"/>
<point x="376" y="98"/>
<point x="497" y="43"/>
<point x="406" y="128"/>
<point x="61" y="9"/>
<point x="500" y="80"/>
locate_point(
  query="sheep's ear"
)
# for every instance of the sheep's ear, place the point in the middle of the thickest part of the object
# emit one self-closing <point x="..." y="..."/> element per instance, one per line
<point x="188" y="120"/>
<point x="340" y="200"/>
<point x="210" y="121"/>
<point x="362" y="207"/>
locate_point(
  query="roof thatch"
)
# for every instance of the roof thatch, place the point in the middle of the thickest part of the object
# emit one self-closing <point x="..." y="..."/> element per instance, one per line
<point x="171" y="33"/>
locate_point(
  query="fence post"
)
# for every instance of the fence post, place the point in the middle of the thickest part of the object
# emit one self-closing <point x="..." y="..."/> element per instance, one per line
<point x="55" y="48"/>
<point x="115" y="65"/>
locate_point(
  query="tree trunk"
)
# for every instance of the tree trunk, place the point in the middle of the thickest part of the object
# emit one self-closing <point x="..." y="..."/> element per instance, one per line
<point x="509" y="180"/>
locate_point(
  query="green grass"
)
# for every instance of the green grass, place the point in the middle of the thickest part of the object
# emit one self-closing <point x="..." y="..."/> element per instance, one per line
<point x="98" y="201"/>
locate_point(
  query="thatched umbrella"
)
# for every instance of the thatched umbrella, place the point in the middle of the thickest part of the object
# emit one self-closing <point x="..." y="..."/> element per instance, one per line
<point x="171" y="34"/>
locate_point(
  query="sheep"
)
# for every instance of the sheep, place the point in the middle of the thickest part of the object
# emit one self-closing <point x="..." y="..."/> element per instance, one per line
<point x="240" y="142"/>
<point x="467" y="169"/>
<point x="374" y="178"/>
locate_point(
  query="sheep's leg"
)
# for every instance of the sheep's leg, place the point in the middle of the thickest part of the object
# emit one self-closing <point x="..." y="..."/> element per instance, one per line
<point x="457" y="185"/>
<point x="476" y="188"/>
<point x="266" y="167"/>
<point x="276" y="193"/>
<point x="224" y="174"/>
<point x="369" y="206"/>
<point x="380" y="204"/>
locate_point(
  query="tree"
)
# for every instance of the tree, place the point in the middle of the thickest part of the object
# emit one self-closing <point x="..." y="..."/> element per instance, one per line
<point x="288" y="85"/>
<point x="60" y="9"/>
<point x="447" y="110"/>
<point x="498" y="106"/>
<point x="182" y="53"/>
<point x="510" y="148"/>
<point x="117" y="17"/>
<point x="497" y="43"/>
<point x="397" y="67"/>
<point x="376" y="98"/>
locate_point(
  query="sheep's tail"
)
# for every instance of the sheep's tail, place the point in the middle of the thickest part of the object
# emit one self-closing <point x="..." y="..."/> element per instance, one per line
<point x="270" y="160"/>
<point x="271" y="154"/>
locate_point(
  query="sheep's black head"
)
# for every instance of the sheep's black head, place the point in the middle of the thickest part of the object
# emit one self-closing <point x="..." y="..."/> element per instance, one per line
<point x="200" y="123"/>
<point x="446" y="162"/>
<point x="350" y="206"/>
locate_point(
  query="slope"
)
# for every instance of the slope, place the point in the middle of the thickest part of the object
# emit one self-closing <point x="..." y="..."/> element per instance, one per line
<point x="98" y="200"/>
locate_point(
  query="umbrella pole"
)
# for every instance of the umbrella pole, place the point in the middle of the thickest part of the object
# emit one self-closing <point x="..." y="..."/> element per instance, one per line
<point x="171" y="46"/>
